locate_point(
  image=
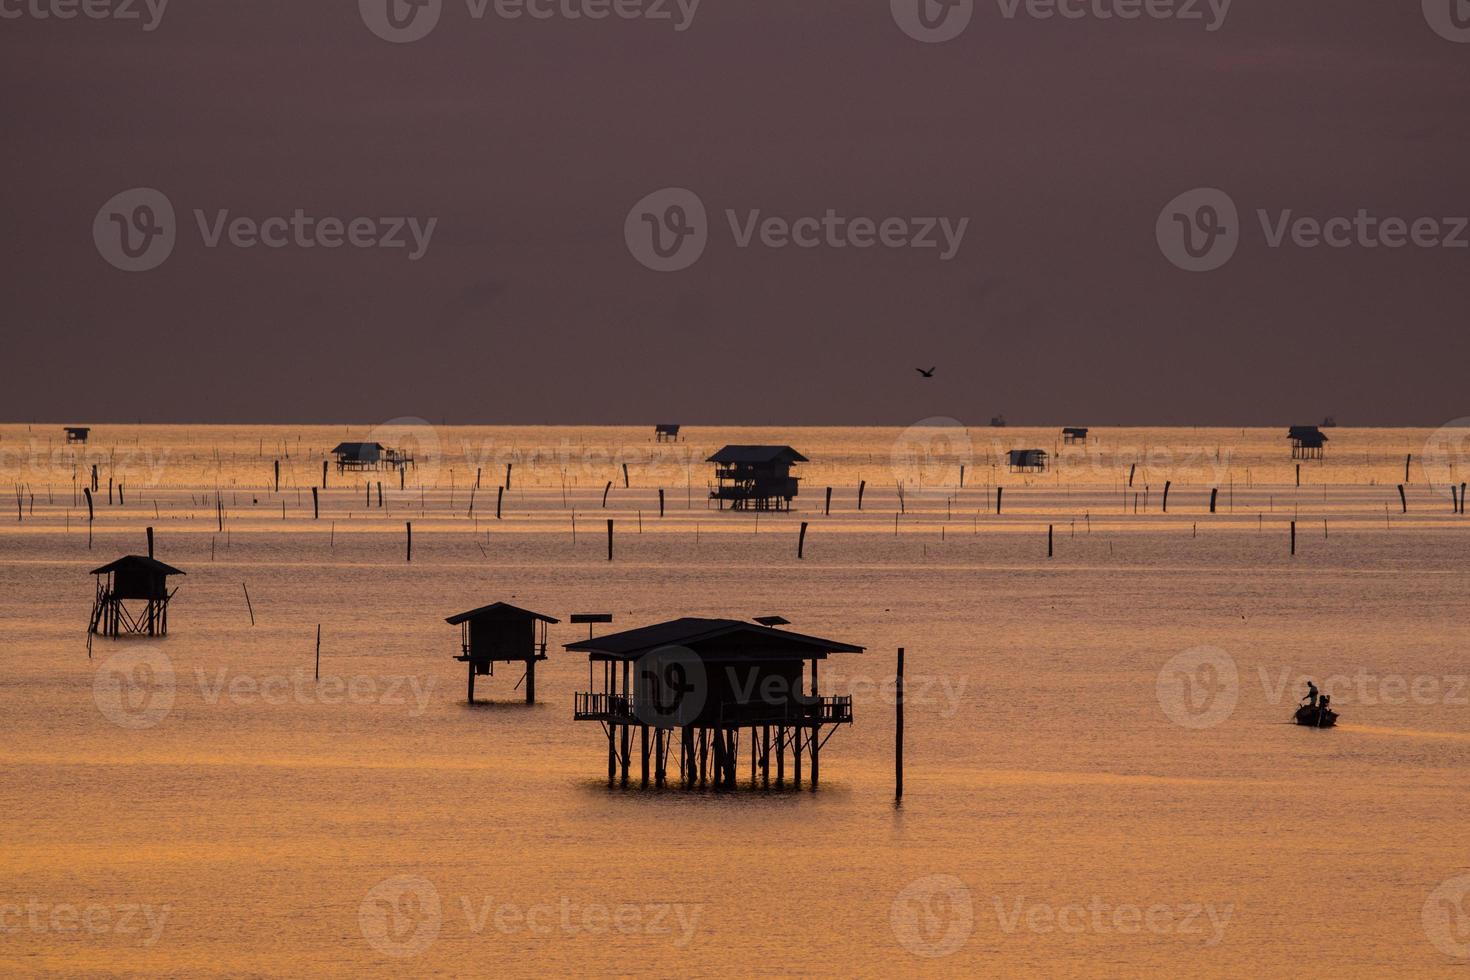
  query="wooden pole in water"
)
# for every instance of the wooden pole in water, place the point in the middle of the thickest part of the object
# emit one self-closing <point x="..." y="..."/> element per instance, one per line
<point x="898" y="734"/>
<point x="248" y="607"/>
<point x="1298" y="474"/>
<point x="1214" y="492"/>
<point x="660" y="501"/>
<point x="998" y="492"/>
<point x="862" y="485"/>
<point x="1048" y="540"/>
<point x="1407" y="459"/>
<point x="827" y="508"/>
<point x="962" y="476"/>
<point x="801" y="540"/>
<point x="625" y="476"/>
<point x="1293" y="537"/>
<point x="324" y="474"/>
<point x="604" y="494"/>
<point x="499" y="496"/>
<point x="1167" y="484"/>
<point x="315" y="510"/>
<point x="609" y="538"/>
<point x="318" y="651"/>
<point x="507" y="475"/>
<point x="150" y="542"/>
<point x="408" y="528"/>
<point x="278" y="476"/>
<point x="1131" y="468"/>
<point x="1403" y="500"/>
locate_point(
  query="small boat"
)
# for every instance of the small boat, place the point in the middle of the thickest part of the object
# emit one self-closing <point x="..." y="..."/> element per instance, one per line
<point x="1316" y="716"/>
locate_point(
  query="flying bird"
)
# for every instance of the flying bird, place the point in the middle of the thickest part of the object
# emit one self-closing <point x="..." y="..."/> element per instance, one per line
<point x="928" y="374"/>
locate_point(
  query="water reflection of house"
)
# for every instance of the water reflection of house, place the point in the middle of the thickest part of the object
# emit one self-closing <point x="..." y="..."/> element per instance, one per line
<point x="755" y="477"/>
<point x="710" y="683"/>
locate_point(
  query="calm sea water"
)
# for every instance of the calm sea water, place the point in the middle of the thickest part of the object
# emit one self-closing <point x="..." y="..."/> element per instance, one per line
<point x="1100" y="779"/>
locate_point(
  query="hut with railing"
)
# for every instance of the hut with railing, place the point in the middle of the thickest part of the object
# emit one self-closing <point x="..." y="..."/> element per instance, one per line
<point x="501" y="633"/>
<point x="1307" y="442"/>
<point x="132" y="579"/>
<point x="1073" y="434"/>
<point x="755" y="477"/>
<point x="77" y="433"/>
<point x="1027" y="460"/>
<point x="369" y="456"/>
<point x="695" y="688"/>
<point x="666" y="432"/>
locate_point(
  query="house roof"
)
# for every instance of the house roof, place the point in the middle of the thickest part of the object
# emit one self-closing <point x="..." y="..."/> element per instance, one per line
<point x="351" y="448"/>
<point x="694" y="632"/>
<point x="757" y="454"/>
<point x="138" y="562"/>
<point x="500" y="608"/>
<point x="1075" y="429"/>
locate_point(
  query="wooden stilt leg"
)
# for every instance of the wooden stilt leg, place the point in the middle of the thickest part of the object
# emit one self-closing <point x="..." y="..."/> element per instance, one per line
<point x="816" y="757"/>
<point x="643" y="752"/>
<point x="796" y="748"/>
<point x="470" y="698"/>
<point x="703" y="756"/>
<point x="612" y="753"/>
<point x="627" y="751"/>
<point x="765" y="755"/>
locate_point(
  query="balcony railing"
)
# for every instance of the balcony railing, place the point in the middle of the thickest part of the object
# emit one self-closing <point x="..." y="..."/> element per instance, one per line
<point x="621" y="709"/>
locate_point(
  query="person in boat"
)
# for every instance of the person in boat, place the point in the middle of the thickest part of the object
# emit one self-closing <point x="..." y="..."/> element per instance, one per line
<point x="1311" y="694"/>
<point x="1326" y="700"/>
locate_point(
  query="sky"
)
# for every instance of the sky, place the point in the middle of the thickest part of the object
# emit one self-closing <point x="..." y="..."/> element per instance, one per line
<point x="1186" y="216"/>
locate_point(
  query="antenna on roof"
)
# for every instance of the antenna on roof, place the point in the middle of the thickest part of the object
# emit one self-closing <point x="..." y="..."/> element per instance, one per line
<point x="773" y="620"/>
<point x="590" y="618"/>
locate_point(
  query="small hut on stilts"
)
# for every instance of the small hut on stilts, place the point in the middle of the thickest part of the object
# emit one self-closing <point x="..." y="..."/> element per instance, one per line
<point x="501" y="633"/>
<point x="132" y="578"/>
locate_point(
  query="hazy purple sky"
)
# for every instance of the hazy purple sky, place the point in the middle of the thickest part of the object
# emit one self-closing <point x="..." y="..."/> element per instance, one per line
<point x="1060" y="140"/>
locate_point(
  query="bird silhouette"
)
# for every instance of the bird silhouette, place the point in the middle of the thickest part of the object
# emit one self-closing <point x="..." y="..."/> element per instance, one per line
<point x="928" y="374"/>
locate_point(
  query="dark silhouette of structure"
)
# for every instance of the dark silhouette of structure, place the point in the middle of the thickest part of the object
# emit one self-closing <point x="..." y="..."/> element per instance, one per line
<point x="1307" y="441"/>
<point x="501" y="633"/>
<point x="998" y="421"/>
<point x="707" y="682"/>
<point x="77" y="433"/>
<point x="132" y="578"/>
<point x="1028" y="460"/>
<point x="755" y="477"/>
<point x="369" y="456"/>
<point x="666" y="432"/>
<point x="1074" y="434"/>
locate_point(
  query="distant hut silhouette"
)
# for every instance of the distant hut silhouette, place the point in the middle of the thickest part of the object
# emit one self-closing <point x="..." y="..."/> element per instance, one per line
<point x="132" y="578"/>
<point x="1074" y="434"/>
<point x="369" y="456"/>
<point x="998" y="421"/>
<point x="501" y="633"/>
<point x="77" y="433"/>
<point x="1027" y="460"/>
<point x="755" y="477"/>
<point x="666" y="432"/>
<point x="707" y="681"/>
<point x="1307" y="442"/>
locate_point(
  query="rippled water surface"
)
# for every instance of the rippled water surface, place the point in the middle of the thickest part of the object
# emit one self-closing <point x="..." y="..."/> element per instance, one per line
<point x="1100" y="778"/>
